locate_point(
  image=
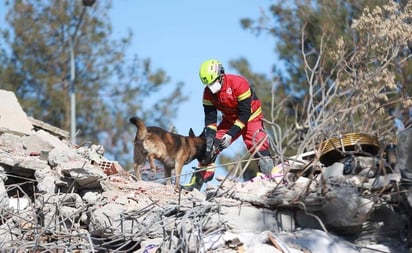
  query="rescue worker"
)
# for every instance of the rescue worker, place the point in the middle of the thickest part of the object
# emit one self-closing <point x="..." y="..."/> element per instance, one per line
<point x="241" y="116"/>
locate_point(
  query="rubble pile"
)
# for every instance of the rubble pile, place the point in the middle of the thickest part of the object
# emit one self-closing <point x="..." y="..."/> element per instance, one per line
<point x="58" y="197"/>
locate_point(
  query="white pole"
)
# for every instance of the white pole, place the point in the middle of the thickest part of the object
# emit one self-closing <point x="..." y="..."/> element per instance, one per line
<point x="73" y="77"/>
<point x="72" y="95"/>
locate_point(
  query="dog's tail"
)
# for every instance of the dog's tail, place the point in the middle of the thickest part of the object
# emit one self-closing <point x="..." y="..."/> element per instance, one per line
<point x="141" y="128"/>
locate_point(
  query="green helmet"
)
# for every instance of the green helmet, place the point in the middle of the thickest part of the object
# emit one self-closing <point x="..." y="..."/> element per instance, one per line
<point x="210" y="70"/>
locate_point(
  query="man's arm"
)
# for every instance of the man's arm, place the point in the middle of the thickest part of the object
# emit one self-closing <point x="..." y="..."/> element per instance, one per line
<point x="210" y="112"/>
<point x="243" y="113"/>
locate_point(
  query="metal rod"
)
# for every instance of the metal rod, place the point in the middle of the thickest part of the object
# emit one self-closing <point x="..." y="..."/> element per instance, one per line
<point x="72" y="41"/>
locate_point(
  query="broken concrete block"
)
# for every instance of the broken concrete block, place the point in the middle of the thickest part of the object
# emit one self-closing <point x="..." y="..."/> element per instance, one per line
<point x="58" y="156"/>
<point x="335" y="170"/>
<point x="85" y="174"/>
<point x="51" y="140"/>
<point x="248" y="218"/>
<point x="46" y="178"/>
<point x="4" y="199"/>
<point x="34" y="144"/>
<point x="12" y="116"/>
<point x="11" y="144"/>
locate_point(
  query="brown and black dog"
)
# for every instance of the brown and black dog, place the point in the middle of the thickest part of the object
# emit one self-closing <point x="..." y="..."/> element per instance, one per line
<point x="173" y="150"/>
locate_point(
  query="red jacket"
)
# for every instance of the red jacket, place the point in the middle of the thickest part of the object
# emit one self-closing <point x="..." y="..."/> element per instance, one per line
<point x="237" y="102"/>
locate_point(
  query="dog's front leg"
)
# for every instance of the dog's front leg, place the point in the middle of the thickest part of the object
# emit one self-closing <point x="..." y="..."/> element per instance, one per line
<point x="152" y="165"/>
<point x="168" y="175"/>
<point x="136" y="168"/>
<point x="178" y="172"/>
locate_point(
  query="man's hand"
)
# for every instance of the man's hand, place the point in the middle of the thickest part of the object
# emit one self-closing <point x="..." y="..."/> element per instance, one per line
<point x="225" y="141"/>
<point x="210" y="152"/>
<point x="210" y="141"/>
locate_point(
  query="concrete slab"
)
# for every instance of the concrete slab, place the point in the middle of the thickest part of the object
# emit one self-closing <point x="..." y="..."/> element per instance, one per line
<point x="12" y="116"/>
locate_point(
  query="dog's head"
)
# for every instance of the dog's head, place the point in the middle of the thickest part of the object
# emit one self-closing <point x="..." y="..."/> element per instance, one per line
<point x="200" y="143"/>
<point x="192" y="133"/>
<point x="210" y="148"/>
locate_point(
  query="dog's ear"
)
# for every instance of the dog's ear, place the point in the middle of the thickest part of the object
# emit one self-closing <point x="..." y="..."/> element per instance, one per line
<point x="191" y="133"/>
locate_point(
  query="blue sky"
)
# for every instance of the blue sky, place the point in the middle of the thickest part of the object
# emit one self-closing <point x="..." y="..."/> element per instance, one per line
<point x="178" y="35"/>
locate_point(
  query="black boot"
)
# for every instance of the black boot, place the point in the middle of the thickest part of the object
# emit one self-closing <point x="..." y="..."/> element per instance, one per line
<point x="195" y="182"/>
<point x="266" y="165"/>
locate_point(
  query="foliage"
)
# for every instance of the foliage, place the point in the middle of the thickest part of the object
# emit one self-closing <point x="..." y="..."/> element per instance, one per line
<point x="109" y="84"/>
<point x="369" y="72"/>
<point x="344" y="61"/>
<point x="347" y="68"/>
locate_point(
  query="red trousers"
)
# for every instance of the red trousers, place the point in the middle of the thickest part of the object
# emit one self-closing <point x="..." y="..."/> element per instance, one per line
<point x="253" y="134"/>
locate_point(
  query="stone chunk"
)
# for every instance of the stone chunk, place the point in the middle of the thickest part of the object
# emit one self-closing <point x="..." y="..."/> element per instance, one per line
<point x="12" y="116"/>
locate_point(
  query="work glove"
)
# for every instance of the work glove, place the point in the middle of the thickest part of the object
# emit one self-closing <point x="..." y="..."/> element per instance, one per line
<point x="210" y="146"/>
<point x="209" y="132"/>
<point x="225" y="141"/>
<point x="210" y="152"/>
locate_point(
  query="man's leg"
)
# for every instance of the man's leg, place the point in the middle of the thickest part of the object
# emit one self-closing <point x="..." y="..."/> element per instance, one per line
<point x="201" y="175"/>
<point x="256" y="138"/>
<point x="265" y="163"/>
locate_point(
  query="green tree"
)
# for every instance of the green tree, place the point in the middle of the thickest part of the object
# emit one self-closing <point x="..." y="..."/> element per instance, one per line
<point x="308" y="33"/>
<point x="110" y="85"/>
